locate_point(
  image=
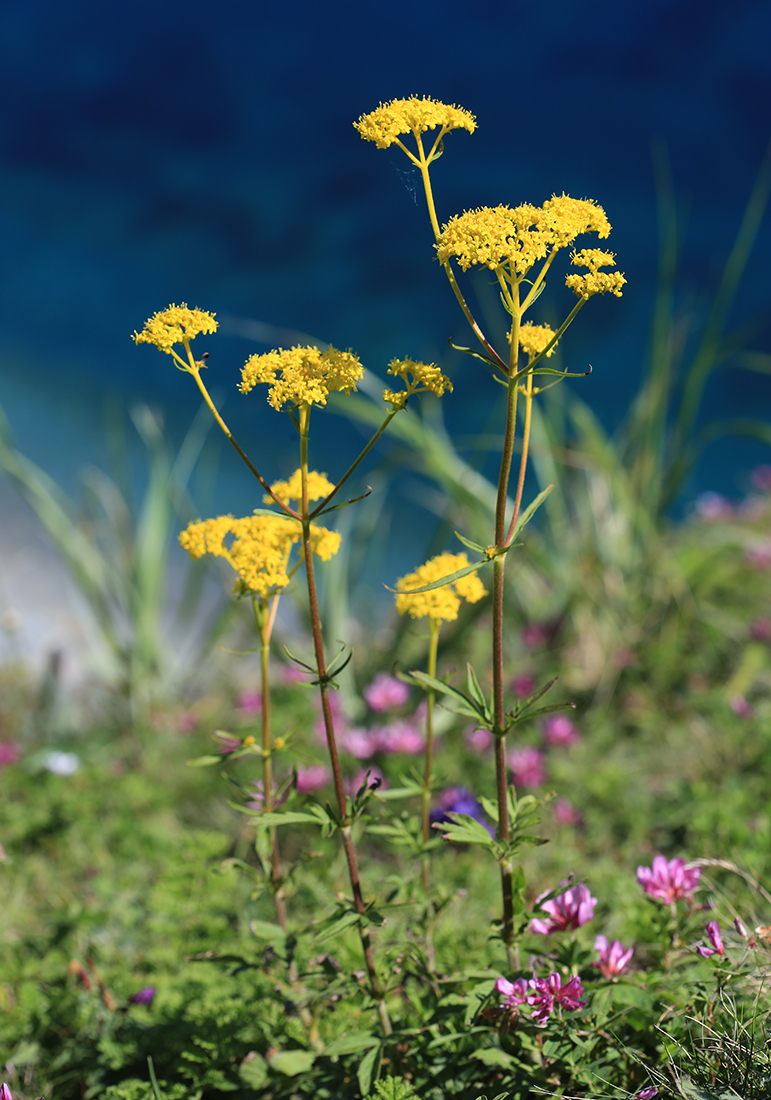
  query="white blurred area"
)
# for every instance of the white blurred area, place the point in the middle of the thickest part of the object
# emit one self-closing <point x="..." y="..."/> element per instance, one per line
<point x="41" y="612"/>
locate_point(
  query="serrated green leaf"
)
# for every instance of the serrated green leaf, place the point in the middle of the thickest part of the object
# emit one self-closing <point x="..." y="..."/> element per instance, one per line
<point x="292" y="1062"/>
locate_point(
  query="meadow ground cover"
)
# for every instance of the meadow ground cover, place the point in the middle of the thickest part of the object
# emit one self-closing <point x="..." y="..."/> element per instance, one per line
<point x="515" y="843"/>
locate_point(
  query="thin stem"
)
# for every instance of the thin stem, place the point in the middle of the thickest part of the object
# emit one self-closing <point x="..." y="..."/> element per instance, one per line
<point x="523" y="457"/>
<point x="423" y="163"/>
<point x="195" y="371"/>
<point x="499" y="566"/>
<point x="329" y="726"/>
<point x="434" y="627"/>
<point x="320" y="507"/>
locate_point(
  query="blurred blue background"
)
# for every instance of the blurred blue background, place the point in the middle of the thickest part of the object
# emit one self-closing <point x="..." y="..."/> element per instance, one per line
<point x="205" y="153"/>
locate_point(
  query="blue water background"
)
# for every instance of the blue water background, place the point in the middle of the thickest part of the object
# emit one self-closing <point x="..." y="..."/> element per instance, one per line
<point x="205" y="153"/>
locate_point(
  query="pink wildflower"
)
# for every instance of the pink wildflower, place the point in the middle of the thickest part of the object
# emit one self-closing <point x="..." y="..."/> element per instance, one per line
<point x="249" y="702"/>
<point x="741" y="928"/>
<point x="759" y="556"/>
<point x="740" y="707"/>
<point x="5" y="1092"/>
<point x="566" y="814"/>
<point x="559" y="730"/>
<point x="400" y="737"/>
<point x="514" y="992"/>
<point x="385" y="693"/>
<point x="527" y="767"/>
<point x="761" y="478"/>
<point x="569" y="910"/>
<point x="523" y="686"/>
<point x="9" y="753"/>
<point x="713" y="934"/>
<point x="761" y="630"/>
<point x="480" y="740"/>
<point x="534" y="635"/>
<point x="669" y="881"/>
<point x="359" y="743"/>
<point x="613" y="958"/>
<point x="550" y="992"/>
<point x="713" y="506"/>
<point x="647" y="1094"/>
<point x="312" y="778"/>
<point x="187" y="721"/>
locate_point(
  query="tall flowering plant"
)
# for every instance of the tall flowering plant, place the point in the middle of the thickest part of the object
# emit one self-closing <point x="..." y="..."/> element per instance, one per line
<point x="518" y="245"/>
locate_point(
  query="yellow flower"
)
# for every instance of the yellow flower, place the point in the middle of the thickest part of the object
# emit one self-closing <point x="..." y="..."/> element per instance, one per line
<point x="413" y="115"/>
<point x="534" y="338"/>
<point x="568" y="218"/>
<point x="260" y="548"/>
<point x="596" y="282"/>
<point x="302" y="376"/>
<point x="440" y="603"/>
<point x="494" y="236"/>
<point x="425" y="377"/>
<point x="175" y="325"/>
<point x="318" y="486"/>
<point x="518" y="236"/>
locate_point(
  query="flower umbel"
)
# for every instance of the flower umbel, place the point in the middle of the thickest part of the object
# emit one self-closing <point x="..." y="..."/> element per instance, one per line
<point x="403" y="116"/>
<point x="175" y="325"/>
<point x="443" y="603"/>
<point x="425" y="377"/>
<point x="319" y="486"/>
<point x="569" y="910"/>
<point x="669" y="881"/>
<point x="302" y="375"/>
<point x="596" y="282"/>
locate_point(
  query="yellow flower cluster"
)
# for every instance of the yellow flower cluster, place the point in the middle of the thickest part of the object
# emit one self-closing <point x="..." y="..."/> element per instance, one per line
<point x="259" y="550"/>
<point x="518" y="236"/>
<point x="596" y="282"/>
<point x="425" y="377"/>
<point x="175" y="325"/>
<point x="440" y="603"/>
<point x="302" y="375"/>
<point x="413" y="115"/>
<point x="534" y="338"/>
<point x="319" y="486"/>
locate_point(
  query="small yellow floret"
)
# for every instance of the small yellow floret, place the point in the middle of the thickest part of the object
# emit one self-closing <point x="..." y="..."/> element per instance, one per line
<point x="175" y="325"/>
<point x="413" y="115"/>
<point x="596" y="282"/>
<point x="440" y="603"/>
<point x="495" y="235"/>
<point x="319" y="486"/>
<point x="419" y="378"/>
<point x="568" y="218"/>
<point x="534" y="338"/>
<point x="259" y="550"/>
<point x="302" y="375"/>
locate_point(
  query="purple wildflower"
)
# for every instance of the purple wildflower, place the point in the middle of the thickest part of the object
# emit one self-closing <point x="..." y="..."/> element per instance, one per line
<point x="569" y="910"/>
<point x="523" y="686"/>
<point x="566" y="814"/>
<point x="550" y="992"/>
<point x="459" y="800"/>
<point x="534" y="635"/>
<point x="669" y="881"/>
<point x="713" y="506"/>
<point x="713" y="935"/>
<point x="143" y="996"/>
<point x="313" y="777"/>
<point x="647" y="1094"/>
<point x="249" y="702"/>
<point x="9" y="753"/>
<point x="740" y="707"/>
<point x="480" y="740"/>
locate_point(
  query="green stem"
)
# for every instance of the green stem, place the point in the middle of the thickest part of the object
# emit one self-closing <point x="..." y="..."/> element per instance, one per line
<point x="329" y="727"/>
<point x="434" y="627"/>
<point x="320" y="507"/>
<point x="423" y="163"/>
